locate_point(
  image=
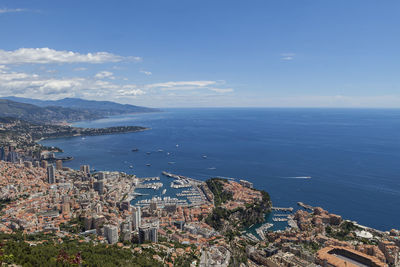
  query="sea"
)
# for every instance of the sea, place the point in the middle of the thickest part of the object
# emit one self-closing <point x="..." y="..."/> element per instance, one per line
<point x="344" y="160"/>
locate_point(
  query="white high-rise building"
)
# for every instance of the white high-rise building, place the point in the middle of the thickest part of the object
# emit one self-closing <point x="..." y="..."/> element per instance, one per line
<point x="111" y="233"/>
<point x="137" y="218"/>
<point x="51" y="174"/>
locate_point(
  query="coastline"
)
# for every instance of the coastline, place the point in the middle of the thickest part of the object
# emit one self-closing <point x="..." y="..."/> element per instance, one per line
<point x="97" y="134"/>
<point x="325" y="179"/>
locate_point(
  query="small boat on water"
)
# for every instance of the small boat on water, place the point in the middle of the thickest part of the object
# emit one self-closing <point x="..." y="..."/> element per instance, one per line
<point x="160" y="150"/>
<point x="164" y="191"/>
<point x="135" y="150"/>
<point x="168" y="153"/>
<point x="148" y="164"/>
<point x="148" y="153"/>
<point x="204" y="156"/>
<point x="131" y="166"/>
<point x="177" y="145"/>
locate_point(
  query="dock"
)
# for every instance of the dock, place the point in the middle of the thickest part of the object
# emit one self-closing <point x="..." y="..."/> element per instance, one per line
<point x="290" y="209"/>
<point x="154" y="186"/>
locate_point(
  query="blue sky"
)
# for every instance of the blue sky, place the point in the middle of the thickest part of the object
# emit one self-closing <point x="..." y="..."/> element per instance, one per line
<point x="298" y="53"/>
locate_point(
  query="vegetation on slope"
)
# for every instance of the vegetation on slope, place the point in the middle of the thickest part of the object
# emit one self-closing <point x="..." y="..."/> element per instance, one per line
<point x="231" y="221"/>
<point x="216" y="185"/>
<point x="14" y="250"/>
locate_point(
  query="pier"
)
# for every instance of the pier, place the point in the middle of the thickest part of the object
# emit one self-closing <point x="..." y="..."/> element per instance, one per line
<point x="290" y="209"/>
<point x="177" y="186"/>
<point x="307" y="207"/>
<point x="145" y="179"/>
<point x="280" y="219"/>
<point x="154" y="186"/>
<point x="181" y="177"/>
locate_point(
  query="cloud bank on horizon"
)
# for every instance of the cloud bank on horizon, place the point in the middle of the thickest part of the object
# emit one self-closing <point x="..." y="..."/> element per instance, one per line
<point x="103" y="85"/>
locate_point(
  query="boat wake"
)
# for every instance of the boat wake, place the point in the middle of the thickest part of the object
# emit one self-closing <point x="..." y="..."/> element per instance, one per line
<point x="297" y="177"/>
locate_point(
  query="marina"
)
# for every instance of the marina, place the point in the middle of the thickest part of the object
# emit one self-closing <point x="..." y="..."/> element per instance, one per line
<point x="185" y="191"/>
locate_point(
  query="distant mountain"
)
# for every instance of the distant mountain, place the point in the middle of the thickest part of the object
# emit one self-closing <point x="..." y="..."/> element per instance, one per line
<point x="104" y="108"/>
<point x="37" y="114"/>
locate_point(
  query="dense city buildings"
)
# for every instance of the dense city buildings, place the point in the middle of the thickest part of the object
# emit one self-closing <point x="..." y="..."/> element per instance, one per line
<point x="48" y="199"/>
<point x="85" y="169"/>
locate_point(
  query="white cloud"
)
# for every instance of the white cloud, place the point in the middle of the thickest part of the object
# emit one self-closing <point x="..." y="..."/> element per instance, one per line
<point x="3" y="68"/>
<point x="288" y="56"/>
<point x="181" y="85"/>
<point x="41" y="86"/>
<point x="12" y="76"/>
<point x="130" y="92"/>
<point x="222" y="90"/>
<point x="105" y="74"/>
<point x="35" y="86"/>
<point x="47" y="55"/>
<point x="11" y="10"/>
<point x="148" y="73"/>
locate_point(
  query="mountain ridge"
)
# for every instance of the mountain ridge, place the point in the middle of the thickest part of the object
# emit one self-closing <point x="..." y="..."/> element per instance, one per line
<point x="79" y="103"/>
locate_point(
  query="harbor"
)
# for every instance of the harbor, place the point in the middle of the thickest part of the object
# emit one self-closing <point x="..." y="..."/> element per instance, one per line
<point x="184" y="191"/>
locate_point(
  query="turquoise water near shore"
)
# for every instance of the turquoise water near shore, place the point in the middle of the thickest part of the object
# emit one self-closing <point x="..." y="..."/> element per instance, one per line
<point x="351" y="155"/>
